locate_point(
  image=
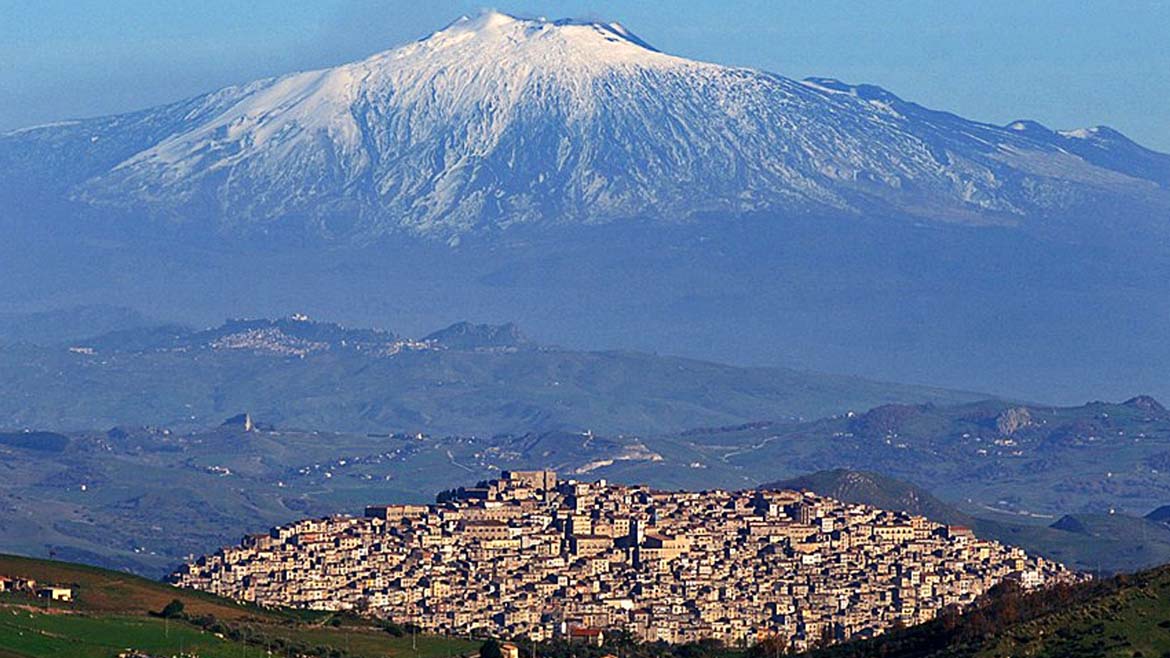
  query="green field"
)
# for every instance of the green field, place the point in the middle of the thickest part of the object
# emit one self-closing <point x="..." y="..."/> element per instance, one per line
<point x="39" y="634"/>
<point x="1130" y="622"/>
<point x="57" y="635"/>
<point x="111" y="614"/>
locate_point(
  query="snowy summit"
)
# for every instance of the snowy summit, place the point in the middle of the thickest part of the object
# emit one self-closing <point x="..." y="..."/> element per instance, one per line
<point x="497" y="120"/>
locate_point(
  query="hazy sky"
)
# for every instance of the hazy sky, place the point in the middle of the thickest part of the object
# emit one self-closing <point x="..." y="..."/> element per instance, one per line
<point x="1065" y="63"/>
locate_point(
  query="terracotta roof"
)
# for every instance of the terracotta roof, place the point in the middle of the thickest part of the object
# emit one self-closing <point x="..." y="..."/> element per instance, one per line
<point x="585" y="632"/>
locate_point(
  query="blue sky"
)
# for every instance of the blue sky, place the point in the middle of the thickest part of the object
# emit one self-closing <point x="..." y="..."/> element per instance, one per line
<point x="1064" y="63"/>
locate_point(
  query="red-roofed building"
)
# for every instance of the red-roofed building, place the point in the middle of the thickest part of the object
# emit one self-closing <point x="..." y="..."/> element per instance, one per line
<point x="592" y="636"/>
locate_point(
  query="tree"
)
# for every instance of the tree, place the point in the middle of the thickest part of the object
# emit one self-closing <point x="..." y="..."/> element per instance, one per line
<point x="490" y="649"/>
<point x="172" y="609"/>
<point x="769" y="647"/>
<point x="826" y="638"/>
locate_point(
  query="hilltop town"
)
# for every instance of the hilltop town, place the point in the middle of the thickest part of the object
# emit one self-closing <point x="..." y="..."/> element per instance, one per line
<point x="531" y="556"/>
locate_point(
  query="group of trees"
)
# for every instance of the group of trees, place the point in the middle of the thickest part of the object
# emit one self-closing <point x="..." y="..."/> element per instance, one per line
<point x="247" y="634"/>
<point x="1003" y="609"/>
<point x="618" y="642"/>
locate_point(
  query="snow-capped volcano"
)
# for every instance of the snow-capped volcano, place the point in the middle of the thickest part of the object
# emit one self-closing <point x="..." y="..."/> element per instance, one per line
<point x="498" y="120"/>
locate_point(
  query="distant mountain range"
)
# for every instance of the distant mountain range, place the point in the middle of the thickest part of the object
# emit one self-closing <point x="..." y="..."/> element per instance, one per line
<point x="1027" y="463"/>
<point x="497" y="121"/>
<point x="1070" y="483"/>
<point x="601" y="193"/>
<point x="1093" y="542"/>
<point x="471" y="379"/>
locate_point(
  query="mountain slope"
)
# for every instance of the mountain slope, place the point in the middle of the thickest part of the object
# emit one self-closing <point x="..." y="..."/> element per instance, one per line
<point x="466" y="379"/>
<point x="61" y="325"/>
<point x="1124" y="616"/>
<point x="497" y="121"/>
<point x="143" y="498"/>
<point x="115" y="612"/>
<point x="1029" y="464"/>
<point x="1098" y="543"/>
<point x="771" y="221"/>
<point x="873" y="489"/>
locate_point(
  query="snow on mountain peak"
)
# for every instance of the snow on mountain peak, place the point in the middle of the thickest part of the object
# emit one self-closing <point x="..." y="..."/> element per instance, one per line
<point x="486" y="60"/>
<point x="1095" y="133"/>
<point x="1028" y="125"/>
<point x="605" y="37"/>
<point x="497" y="120"/>
<point x="538" y="42"/>
<point x="462" y="89"/>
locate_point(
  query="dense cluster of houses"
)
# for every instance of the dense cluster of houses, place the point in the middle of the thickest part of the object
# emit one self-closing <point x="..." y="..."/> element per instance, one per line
<point x="530" y="556"/>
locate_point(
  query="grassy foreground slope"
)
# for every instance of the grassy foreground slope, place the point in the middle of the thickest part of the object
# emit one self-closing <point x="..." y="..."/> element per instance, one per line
<point x="1127" y="616"/>
<point x="110" y="592"/>
<point x="1132" y="620"/>
<point x="112" y="613"/>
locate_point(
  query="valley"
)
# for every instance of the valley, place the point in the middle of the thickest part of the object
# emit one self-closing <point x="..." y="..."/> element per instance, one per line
<point x="144" y="498"/>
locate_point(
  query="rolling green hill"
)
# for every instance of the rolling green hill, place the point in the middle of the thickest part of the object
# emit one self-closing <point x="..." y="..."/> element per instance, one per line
<point x="1030" y="463"/>
<point x="113" y="612"/>
<point x="1107" y="543"/>
<point x="876" y="490"/>
<point x="1122" y="617"/>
